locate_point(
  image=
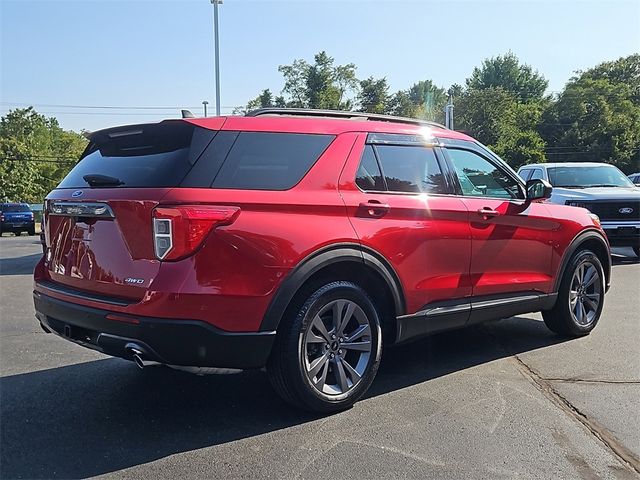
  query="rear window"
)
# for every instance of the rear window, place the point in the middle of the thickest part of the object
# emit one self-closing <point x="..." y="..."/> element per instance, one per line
<point x="269" y="161"/>
<point x="14" y="208"/>
<point x="156" y="155"/>
<point x="173" y="153"/>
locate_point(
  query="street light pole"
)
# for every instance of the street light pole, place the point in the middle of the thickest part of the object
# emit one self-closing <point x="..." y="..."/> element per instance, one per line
<point x="217" y="52"/>
<point x="205" y="103"/>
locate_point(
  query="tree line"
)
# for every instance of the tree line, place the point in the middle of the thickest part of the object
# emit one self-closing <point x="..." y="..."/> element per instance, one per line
<point x="35" y="154"/>
<point x="503" y="103"/>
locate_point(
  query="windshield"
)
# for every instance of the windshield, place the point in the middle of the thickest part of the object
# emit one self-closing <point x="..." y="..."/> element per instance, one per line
<point x="14" y="208"/>
<point x="588" y="177"/>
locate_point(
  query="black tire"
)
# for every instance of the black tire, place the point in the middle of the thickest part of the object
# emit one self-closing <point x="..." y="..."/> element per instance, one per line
<point x="561" y="318"/>
<point x="636" y="250"/>
<point x="296" y="340"/>
<point x="31" y="232"/>
<point x="17" y="233"/>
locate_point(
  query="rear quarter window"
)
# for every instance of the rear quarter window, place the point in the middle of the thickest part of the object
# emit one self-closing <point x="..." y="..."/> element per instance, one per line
<point x="270" y="161"/>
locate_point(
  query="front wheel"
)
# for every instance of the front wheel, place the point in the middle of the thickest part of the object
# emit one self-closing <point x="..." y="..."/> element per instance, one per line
<point x="580" y="297"/>
<point x="328" y="349"/>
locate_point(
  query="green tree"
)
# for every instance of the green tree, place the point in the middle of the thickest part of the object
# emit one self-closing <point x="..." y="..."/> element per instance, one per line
<point x="497" y="119"/>
<point x="429" y="100"/>
<point x="374" y="95"/>
<point x="595" y="120"/>
<point x="35" y="154"/>
<point x="319" y="85"/>
<point x="423" y="100"/>
<point x="508" y="73"/>
<point x="295" y="83"/>
<point x="518" y="141"/>
<point x="481" y="112"/>
<point x="400" y="104"/>
<point x="625" y="70"/>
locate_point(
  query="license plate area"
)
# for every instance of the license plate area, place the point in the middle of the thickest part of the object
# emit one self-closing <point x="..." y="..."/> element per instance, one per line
<point x="628" y="231"/>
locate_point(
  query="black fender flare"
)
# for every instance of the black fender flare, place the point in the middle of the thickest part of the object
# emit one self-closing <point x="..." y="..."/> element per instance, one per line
<point x="337" y="253"/>
<point x="578" y="240"/>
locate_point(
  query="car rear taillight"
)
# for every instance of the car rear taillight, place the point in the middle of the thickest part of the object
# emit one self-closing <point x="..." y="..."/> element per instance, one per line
<point x="179" y="231"/>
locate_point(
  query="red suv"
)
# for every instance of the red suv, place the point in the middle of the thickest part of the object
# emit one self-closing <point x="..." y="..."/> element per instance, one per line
<point x="302" y="241"/>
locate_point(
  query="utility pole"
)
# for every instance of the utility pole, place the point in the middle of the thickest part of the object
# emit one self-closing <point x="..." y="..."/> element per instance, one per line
<point x="217" y="52"/>
<point x="204" y="104"/>
<point x="448" y="112"/>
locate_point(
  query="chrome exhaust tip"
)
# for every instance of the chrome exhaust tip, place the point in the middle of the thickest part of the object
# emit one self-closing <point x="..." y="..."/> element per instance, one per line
<point x="139" y="362"/>
<point x="138" y="357"/>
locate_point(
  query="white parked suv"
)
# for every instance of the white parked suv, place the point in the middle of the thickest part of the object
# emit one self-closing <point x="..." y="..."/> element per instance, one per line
<point x="599" y="187"/>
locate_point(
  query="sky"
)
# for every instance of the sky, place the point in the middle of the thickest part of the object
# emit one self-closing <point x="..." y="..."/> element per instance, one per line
<point x="70" y="59"/>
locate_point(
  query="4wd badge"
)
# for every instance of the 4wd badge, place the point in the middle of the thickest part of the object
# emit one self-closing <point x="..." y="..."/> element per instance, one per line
<point x="134" y="281"/>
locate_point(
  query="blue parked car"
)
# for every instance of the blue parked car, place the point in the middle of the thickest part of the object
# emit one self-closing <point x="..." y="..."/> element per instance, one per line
<point x="16" y="218"/>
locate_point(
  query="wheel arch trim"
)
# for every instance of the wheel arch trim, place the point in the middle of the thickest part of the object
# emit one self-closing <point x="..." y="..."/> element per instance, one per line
<point x="324" y="257"/>
<point x="578" y="240"/>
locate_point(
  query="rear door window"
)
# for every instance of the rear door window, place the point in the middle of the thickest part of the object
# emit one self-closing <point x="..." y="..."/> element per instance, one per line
<point x="270" y="161"/>
<point x="411" y="169"/>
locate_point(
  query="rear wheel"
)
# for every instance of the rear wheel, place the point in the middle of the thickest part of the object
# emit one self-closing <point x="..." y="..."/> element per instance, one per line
<point x="32" y="231"/>
<point x="580" y="297"/>
<point x="328" y="349"/>
<point x="17" y="233"/>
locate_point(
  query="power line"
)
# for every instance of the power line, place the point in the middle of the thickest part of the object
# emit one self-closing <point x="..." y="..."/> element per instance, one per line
<point x="37" y="160"/>
<point x="110" y="107"/>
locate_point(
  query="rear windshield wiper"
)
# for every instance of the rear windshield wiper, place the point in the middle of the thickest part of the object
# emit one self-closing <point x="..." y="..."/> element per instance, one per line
<point x="96" y="180"/>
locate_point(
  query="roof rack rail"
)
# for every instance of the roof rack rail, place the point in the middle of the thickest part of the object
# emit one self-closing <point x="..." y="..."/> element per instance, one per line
<point x="310" y="112"/>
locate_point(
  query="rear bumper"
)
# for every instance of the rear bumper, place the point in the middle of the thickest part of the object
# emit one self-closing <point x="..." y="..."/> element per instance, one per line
<point x="8" y="225"/>
<point x="173" y="342"/>
<point x="622" y="234"/>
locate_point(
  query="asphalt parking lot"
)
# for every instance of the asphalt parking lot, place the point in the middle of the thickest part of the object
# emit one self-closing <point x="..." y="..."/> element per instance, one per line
<point x="505" y="400"/>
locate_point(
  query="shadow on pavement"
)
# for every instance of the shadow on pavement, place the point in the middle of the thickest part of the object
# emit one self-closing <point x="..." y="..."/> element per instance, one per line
<point x="623" y="260"/>
<point x="104" y="416"/>
<point x="19" y="265"/>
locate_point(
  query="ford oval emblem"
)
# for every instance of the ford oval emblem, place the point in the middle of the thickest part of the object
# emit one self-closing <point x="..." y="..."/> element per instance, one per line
<point x="76" y="194"/>
<point x="626" y="210"/>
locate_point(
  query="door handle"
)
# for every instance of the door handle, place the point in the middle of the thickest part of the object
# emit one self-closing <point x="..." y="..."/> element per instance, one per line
<point x="487" y="212"/>
<point x="374" y="209"/>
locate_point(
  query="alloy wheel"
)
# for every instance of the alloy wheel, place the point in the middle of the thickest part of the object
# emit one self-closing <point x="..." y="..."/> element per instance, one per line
<point x="585" y="293"/>
<point x="337" y="347"/>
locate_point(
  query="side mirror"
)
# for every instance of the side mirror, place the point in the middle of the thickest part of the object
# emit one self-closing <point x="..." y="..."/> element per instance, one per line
<point x="538" y="189"/>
